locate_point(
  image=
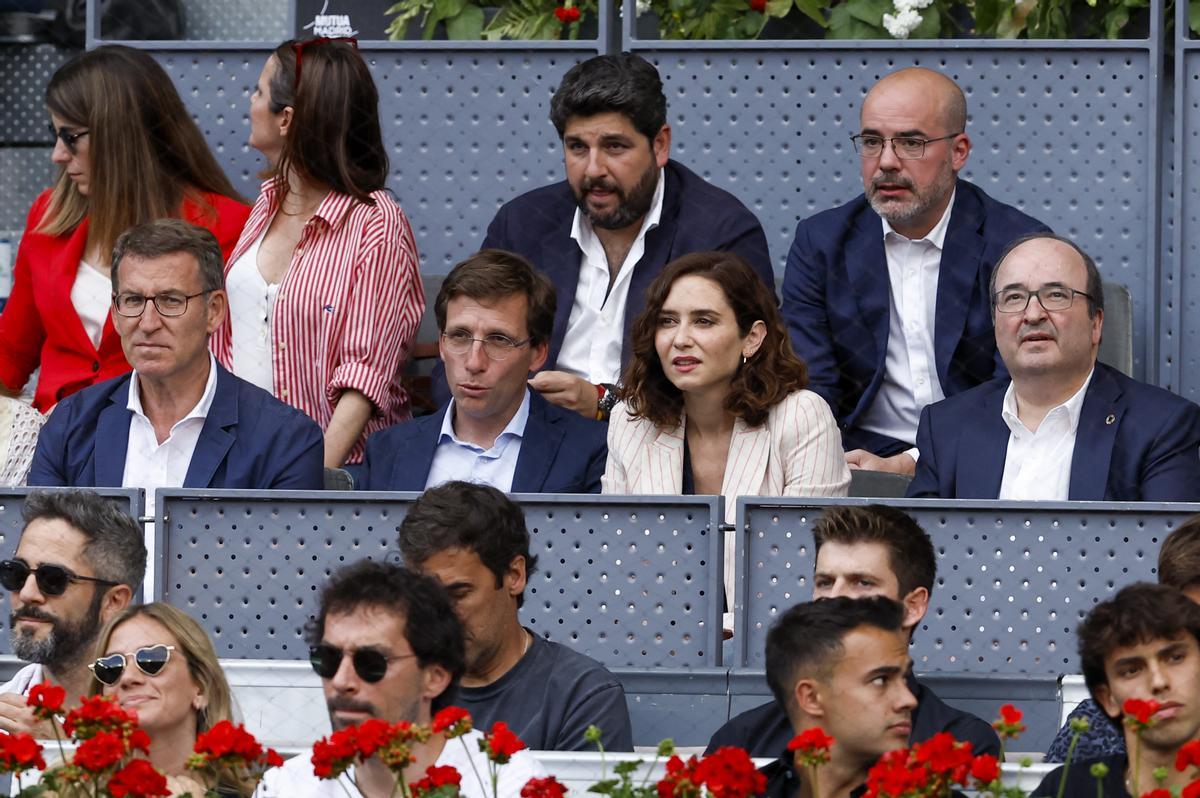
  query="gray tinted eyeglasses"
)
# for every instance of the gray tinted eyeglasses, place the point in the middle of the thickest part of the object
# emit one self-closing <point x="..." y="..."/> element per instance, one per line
<point x="168" y="304"/>
<point x="1051" y="297"/>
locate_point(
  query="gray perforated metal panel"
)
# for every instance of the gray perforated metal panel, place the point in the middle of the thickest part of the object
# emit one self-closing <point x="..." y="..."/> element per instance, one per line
<point x="1013" y="582"/>
<point x="1187" y="206"/>
<point x="11" y="524"/>
<point x="1060" y="134"/>
<point x="25" y="69"/>
<point x="465" y="132"/>
<point x="24" y="173"/>
<point x="237" y="20"/>
<point x="632" y="582"/>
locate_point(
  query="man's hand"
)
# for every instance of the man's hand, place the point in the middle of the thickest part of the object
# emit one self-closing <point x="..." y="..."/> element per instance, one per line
<point x="902" y="463"/>
<point x="15" y="718"/>
<point x="566" y="390"/>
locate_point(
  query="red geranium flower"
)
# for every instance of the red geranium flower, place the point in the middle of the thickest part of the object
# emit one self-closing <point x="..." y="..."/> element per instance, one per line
<point x="567" y="14"/>
<point x="97" y="714"/>
<point x="20" y="752"/>
<point x="758" y="5"/>
<point x="1192" y="790"/>
<point x="273" y="759"/>
<point x="1009" y="724"/>
<point x="501" y="743"/>
<point x="436" y="776"/>
<point x="1159" y="793"/>
<point x="1139" y="712"/>
<point x="812" y="745"/>
<point x="894" y="775"/>
<point x="1189" y="755"/>
<point x="138" y="779"/>
<point x="100" y="752"/>
<point x="945" y="756"/>
<point x="681" y="780"/>
<point x="139" y="741"/>
<point x="333" y="754"/>
<point x="985" y="769"/>
<point x="46" y="699"/>
<point x="452" y="722"/>
<point x="371" y="735"/>
<point x="548" y="787"/>
<point x="729" y="773"/>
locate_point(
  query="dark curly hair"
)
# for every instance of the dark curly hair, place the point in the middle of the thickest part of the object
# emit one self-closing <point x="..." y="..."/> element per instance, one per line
<point x="762" y="382"/>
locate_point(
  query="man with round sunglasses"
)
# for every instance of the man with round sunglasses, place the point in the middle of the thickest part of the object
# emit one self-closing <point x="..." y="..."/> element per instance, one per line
<point x="77" y="564"/>
<point x="1062" y="427"/>
<point x="387" y="644"/>
<point x="473" y="540"/>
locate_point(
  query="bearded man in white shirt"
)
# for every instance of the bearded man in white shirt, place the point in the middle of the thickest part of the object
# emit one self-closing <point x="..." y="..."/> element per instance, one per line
<point x="1064" y="427"/>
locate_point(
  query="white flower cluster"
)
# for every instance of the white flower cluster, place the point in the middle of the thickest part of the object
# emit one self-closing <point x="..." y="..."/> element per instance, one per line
<point x="644" y="5"/>
<point x="906" y="19"/>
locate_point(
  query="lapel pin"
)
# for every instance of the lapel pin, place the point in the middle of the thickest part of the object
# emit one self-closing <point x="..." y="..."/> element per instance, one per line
<point x="1111" y="419"/>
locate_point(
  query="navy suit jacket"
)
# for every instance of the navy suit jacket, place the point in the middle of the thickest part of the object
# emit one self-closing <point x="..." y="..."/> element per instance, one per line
<point x="249" y="440"/>
<point x="836" y="302"/>
<point x="696" y="217"/>
<point x="1134" y="442"/>
<point x="561" y="452"/>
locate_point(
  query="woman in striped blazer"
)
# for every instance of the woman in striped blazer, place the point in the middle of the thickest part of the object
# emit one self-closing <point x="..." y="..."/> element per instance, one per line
<point x="714" y="398"/>
<point x="324" y="285"/>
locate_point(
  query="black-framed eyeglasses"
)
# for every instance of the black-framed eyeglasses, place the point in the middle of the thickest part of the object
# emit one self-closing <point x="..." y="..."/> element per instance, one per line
<point x="907" y="148"/>
<point x="370" y="664"/>
<point x="150" y="660"/>
<point x="1050" y="297"/>
<point x="299" y="48"/>
<point x="169" y="303"/>
<point x="496" y="346"/>
<point x="68" y="138"/>
<point x="52" y="580"/>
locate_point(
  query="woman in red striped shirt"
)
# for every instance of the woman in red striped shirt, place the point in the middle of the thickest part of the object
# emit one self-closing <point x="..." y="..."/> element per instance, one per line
<point x="324" y="284"/>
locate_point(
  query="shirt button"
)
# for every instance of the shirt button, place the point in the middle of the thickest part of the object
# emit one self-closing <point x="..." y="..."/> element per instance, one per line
<point x="284" y="393"/>
<point x="282" y="346"/>
<point x="920" y="380"/>
<point x="299" y="252"/>
<point x="95" y="365"/>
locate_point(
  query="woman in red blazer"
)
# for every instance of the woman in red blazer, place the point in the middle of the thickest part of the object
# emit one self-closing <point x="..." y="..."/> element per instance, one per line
<point x="128" y="152"/>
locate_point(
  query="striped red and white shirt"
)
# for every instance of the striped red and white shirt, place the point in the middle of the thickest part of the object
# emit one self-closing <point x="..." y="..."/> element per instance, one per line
<point x="347" y="310"/>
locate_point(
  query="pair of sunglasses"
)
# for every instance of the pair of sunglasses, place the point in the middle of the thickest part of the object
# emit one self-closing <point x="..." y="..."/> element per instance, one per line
<point x="370" y="664"/>
<point x="52" y="580"/>
<point x="150" y="660"/>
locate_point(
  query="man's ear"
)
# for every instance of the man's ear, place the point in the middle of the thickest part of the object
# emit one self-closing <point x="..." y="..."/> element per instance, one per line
<point x="808" y="696"/>
<point x="435" y="681"/>
<point x="514" y="576"/>
<point x="661" y="146"/>
<point x="116" y="598"/>
<point x="916" y="604"/>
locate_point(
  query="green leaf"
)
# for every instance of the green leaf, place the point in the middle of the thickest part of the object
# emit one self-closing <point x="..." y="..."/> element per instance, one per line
<point x="869" y="11"/>
<point x="467" y="26"/>
<point x="813" y="9"/>
<point x="1194" y="15"/>
<point x="605" y="787"/>
<point x="844" y="25"/>
<point x="931" y="24"/>
<point x="447" y="9"/>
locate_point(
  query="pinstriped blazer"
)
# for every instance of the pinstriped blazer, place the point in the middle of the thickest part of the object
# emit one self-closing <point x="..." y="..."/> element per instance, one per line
<point x="796" y="452"/>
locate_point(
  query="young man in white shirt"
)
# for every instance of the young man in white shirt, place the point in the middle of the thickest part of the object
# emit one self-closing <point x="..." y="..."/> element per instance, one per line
<point x="387" y="644"/>
<point x="78" y="563"/>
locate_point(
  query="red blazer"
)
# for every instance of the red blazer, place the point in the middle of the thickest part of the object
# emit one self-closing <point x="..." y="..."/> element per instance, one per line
<point x="39" y="325"/>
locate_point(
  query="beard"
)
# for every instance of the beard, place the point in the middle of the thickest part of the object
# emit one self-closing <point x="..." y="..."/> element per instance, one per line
<point x="630" y="208"/>
<point x="901" y="212"/>
<point x="66" y="644"/>
<point x="409" y="712"/>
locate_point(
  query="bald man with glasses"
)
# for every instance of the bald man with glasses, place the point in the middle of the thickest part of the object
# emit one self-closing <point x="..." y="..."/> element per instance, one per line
<point x="495" y="313"/>
<point x="1063" y="426"/>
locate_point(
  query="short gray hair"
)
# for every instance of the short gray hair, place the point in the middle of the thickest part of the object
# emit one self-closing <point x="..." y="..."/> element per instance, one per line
<point x="115" y="549"/>
<point x="166" y="237"/>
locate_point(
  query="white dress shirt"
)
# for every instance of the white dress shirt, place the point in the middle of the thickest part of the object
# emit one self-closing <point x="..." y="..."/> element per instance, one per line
<point x="1037" y="466"/>
<point x="458" y="459"/>
<point x="251" y="305"/>
<point x="596" y="328"/>
<point x="150" y="464"/>
<point x="910" y="379"/>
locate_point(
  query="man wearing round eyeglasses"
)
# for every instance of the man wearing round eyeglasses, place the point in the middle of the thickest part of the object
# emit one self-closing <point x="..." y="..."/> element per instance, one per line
<point x="885" y="296"/>
<point x="78" y="562"/>
<point x="179" y="420"/>
<point x="495" y="313"/>
<point x="1063" y="426"/>
<point x="387" y="644"/>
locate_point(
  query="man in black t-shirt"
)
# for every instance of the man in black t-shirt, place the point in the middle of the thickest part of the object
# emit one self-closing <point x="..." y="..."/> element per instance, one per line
<point x="1142" y="644"/>
<point x="472" y="538"/>
<point x="871" y="550"/>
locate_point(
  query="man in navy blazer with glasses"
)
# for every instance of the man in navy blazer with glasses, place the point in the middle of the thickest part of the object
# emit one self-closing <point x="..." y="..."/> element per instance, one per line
<point x="885" y="297"/>
<point x="1063" y="427"/>
<point x="495" y="313"/>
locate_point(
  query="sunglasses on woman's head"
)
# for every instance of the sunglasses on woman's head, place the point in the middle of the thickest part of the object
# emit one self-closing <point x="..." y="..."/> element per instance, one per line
<point x="370" y="664"/>
<point x="52" y="580"/>
<point x="150" y="660"/>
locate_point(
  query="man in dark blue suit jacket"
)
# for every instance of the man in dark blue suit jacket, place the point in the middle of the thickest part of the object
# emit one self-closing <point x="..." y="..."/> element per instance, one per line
<point x="1063" y="426"/>
<point x="495" y="313"/>
<point x="179" y="420"/>
<point x="586" y="233"/>
<point x="886" y="296"/>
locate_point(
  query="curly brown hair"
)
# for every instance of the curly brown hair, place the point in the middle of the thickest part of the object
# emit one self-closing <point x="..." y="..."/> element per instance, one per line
<point x="763" y="381"/>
